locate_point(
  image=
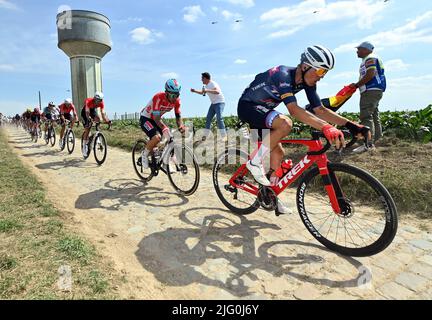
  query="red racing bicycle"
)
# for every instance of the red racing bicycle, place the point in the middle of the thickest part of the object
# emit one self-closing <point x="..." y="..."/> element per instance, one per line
<point x="344" y="207"/>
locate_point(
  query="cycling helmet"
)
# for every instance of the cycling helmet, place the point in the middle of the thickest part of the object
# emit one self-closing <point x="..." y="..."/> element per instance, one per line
<point x="318" y="57"/>
<point x="68" y="101"/>
<point x="51" y="104"/>
<point x="172" y="86"/>
<point x="36" y="109"/>
<point x="99" y="96"/>
<point x="29" y="110"/>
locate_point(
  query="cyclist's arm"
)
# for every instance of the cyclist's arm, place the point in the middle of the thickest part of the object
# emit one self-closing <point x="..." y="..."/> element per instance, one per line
<point x="179" y="120"/>
<point x="330" y="116"/>
<point x="157" y="117"/>
<point x="305" y="116"/>
<point x="104" y="116"/>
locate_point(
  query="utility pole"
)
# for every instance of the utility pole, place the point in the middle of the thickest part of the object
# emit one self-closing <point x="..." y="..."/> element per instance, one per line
<point x="40" y="103"/>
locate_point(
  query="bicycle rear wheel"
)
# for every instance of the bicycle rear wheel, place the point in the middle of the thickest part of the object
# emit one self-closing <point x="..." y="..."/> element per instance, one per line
<point x="100" y="148"/>
<point x="137" y="150"/>
<point x="70" y="141"/>
<point x="183" y="170"/>
<point x="237" y="200"/>
<point x="368" y="223"/>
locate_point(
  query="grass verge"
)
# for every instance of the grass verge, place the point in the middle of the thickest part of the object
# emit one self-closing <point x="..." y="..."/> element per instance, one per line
<point x="35" y="245"/>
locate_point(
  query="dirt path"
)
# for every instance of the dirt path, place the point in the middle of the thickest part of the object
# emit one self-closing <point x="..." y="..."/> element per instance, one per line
<point x="171" y="247"/>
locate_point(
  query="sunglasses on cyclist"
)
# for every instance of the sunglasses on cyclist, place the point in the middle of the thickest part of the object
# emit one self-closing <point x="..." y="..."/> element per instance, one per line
<point x="320" y="72"/>
<point x="173" y="95"/>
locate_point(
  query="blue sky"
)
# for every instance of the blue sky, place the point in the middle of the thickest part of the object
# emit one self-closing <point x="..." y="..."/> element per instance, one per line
<point x="154" y="40"/>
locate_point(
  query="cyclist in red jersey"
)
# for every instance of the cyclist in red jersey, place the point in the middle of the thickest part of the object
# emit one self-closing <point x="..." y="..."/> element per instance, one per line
<point x="88" y="113"/>
<point x="151" y="116"/>
<point x="65" y="114"/>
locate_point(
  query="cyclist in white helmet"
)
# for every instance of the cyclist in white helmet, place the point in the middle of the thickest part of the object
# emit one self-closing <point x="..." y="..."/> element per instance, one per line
<point x="280" y="84"/>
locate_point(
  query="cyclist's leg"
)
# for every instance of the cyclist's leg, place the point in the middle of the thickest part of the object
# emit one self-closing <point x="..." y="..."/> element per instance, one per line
<point x="86" y="124"/>
<point x="281" y="127"/>
<point x="260" y="117"/>
<point x="153" y="131"/>
<point x="63" y="124"/>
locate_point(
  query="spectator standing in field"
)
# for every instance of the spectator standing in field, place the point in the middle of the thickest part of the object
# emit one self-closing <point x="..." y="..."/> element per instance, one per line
<point x="217" y="105"/>
<point x="372" y="84"/>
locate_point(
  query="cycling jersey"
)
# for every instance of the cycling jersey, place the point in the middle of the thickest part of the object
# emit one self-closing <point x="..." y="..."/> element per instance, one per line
<point x="160" y="105"/>
<point x="378" y="82"/>
<point x="36" y="114"/>
<point x="278" y="85"/>
<point x="48" y="110"/>
<point x="90" y="103"/>
<point x="67" y="108"/>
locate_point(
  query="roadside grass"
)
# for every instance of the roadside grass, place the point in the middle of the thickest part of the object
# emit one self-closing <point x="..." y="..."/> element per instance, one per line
<point x="35" y="242"/>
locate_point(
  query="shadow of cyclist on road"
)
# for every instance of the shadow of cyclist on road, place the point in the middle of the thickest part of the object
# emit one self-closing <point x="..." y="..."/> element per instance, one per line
<point x="220" y="251"/>
<point x="126" y="193"/>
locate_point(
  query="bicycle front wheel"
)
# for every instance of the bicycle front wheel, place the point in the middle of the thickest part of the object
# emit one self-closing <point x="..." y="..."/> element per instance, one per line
<point x="235" y="199"/>
<point x="100" y="148"/>
<point x="368" y="222"/>
<point x="52" y="137"/>
<point x="145" y="174"/>
<point x="183" y="170"/>
<point x="70" y="141"/>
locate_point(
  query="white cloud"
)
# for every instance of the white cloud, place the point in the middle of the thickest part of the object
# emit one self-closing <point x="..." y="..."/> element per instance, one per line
<point x="344" y="75"/>
<point x="7" y="5"/>
<point x="170" y="75"/>
<point x="243" y="3"/>
<point x="418" y="30"/>
<point x="240" y="61"/>
<point x="395" y="65"/>
<point x="170" y="21"/>
<point x="192" y="13"/>
<point x="127" y="20"/>
<point x="284" y="33"/>
<point x="215" y="9"/>
<point x="6" y="67"/>
<point x="240" y="76"/>
<point x="301" y="15"/>
<point x="228" y="15"/>
<point x="411" y="82"/>
<point x="144" y="36"/>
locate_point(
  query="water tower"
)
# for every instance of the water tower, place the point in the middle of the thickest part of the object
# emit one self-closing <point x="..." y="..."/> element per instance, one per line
<point x="85" y="37"/>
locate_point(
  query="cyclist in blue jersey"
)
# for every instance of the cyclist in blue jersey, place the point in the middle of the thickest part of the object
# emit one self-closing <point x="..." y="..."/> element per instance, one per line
<point x="280" y="84"/>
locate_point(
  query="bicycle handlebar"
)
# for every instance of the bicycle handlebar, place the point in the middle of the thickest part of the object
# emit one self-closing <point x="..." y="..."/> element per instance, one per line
<point x="318" y="134"/>
<point x="98" y="124"/>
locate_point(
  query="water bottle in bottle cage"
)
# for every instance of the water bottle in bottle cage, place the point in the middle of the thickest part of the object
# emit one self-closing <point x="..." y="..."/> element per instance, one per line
<point x="284" y="168"/>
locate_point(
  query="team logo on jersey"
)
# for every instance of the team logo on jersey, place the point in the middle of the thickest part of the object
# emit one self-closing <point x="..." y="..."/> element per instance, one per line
<point x="148" y="125"/>
<point x="370" y="62"/>
<point x="286" y="95"/>
<point x="273" y="70"/>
